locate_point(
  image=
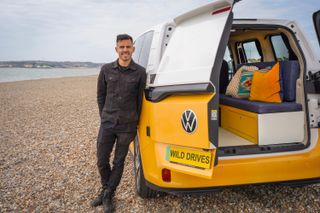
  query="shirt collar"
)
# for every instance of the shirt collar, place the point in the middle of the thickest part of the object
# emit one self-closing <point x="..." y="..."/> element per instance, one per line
<point x="131" y="66"/>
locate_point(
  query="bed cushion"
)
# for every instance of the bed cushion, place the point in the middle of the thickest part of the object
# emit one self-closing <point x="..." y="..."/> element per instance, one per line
<point x="259" y="107"/>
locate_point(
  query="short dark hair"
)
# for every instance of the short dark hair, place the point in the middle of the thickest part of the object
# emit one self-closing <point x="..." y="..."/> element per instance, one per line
<point x="121" y="37"/>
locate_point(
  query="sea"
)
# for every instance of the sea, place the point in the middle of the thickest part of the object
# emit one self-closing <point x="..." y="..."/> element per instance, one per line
<point x="22" y="74"/>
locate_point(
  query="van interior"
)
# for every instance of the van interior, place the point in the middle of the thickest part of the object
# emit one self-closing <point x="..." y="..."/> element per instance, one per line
<point x="262" y="100"/>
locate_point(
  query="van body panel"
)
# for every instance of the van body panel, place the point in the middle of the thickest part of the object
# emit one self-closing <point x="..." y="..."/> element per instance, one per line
<point x="161" y="134"/>
<point x="170" y="129"/>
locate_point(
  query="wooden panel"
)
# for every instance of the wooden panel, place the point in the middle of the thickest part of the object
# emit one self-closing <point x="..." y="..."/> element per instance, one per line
<point x="240" y="122"/>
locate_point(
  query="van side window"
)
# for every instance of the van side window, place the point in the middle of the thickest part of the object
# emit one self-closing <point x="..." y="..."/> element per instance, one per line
<point x="252" y="53"/>
<point x="145" y="50"/>
<point x="281" y="48"/>
<point x="138" y="46"/>
<point x="228" y="58"/>
<point x="249" y="51"/>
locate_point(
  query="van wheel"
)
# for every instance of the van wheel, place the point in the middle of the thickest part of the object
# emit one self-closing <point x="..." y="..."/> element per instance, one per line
<point x="140" y="182"/>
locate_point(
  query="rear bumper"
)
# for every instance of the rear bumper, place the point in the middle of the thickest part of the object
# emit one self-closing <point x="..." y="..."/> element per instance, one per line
<point x="182" y="191"/>
<point x="288" y="168"/>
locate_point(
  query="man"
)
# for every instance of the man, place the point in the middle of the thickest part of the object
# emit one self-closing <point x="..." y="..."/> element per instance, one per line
<point x="119" y="95"/>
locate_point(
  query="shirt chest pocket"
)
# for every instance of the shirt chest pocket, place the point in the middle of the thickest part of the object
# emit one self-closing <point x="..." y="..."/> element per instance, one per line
<point x="112" y="81"/>
<point x="132" y="83"/>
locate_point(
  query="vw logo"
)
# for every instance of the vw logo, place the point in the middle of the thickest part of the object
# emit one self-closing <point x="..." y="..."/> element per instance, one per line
<point x="189" y="121"/>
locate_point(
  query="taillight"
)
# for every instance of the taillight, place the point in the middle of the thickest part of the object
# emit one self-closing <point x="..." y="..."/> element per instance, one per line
<point x="166" y="175"/>
<point x="221" y="10"/>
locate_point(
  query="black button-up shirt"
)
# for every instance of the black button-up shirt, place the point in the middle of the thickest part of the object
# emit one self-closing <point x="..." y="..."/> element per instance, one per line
<point x="119" y="95"/>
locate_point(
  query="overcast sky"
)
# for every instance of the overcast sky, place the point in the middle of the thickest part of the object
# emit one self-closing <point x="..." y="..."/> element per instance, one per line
<point x="85" y="30"/>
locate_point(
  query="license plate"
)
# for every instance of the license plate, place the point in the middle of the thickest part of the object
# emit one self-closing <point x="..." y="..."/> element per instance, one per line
<point x="190" y="157"/>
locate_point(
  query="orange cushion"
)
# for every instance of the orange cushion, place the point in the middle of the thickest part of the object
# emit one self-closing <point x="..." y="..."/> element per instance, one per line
<point x="266" y="86"/>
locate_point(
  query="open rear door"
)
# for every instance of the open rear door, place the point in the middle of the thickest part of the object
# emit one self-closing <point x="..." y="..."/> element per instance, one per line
<point x="316" y="21"/>
<point x="191" y="65"/>
<point x="197" y="43"/>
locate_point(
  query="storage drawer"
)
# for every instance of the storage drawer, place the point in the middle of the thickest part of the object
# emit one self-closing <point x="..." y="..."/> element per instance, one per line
<point x="240" y="122"/>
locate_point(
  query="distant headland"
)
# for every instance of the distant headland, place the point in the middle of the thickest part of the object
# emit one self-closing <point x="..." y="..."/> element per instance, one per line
<point x="48" y="64"/>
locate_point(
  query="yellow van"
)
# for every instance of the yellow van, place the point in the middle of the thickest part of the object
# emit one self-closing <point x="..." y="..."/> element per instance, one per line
<point x="228" y="102"/>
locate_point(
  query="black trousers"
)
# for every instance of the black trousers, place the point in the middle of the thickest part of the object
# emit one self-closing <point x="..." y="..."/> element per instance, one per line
<point x="110" y="178"/>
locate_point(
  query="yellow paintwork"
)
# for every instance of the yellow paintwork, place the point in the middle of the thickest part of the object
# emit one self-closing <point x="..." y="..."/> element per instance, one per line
<point x="164" y="117"/>
<point x="240" y="122"/>
<point x="165" y="120"/>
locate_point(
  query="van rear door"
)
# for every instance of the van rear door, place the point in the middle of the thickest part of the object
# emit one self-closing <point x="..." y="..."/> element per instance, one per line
<point x="184" y="112"/>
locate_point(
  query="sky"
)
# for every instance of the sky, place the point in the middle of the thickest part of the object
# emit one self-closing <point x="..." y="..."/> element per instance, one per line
<point x="85" y="30"/>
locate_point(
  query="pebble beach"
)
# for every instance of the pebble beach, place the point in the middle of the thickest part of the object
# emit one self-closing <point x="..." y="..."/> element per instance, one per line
<point x="48" y="135"/>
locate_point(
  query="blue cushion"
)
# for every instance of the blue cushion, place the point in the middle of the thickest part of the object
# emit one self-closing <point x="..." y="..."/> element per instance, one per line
<point x="259" y="107"/>
<point x="289" y="73"/>
<point x="260" y="65"/>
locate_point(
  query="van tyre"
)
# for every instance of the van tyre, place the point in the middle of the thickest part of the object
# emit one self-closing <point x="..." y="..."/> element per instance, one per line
<point x="140" y="182"/>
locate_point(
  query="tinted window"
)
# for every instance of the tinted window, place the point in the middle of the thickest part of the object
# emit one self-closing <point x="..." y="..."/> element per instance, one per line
<point x="251" y="51"/>
<point x="280" y="49"/>
<point x="138" y="45"/>
<point x="145" y="51"/>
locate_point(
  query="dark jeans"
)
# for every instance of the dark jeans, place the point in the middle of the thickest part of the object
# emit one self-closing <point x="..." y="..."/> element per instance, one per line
<point x="110" y="178"/>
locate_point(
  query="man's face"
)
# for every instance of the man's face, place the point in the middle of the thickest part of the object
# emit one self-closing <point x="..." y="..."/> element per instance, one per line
<point x="125" y="49"/>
